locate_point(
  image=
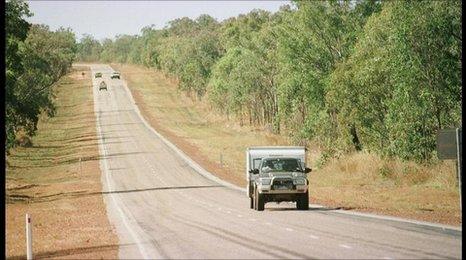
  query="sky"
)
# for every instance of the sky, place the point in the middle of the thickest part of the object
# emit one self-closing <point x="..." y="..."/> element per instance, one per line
<point x="106" y="19"/>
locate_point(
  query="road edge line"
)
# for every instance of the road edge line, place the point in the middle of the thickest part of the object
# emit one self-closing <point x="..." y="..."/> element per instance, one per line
<point x="180" y="153"/>
<point x="210" y="176"/>
<point x="105" y="170"/>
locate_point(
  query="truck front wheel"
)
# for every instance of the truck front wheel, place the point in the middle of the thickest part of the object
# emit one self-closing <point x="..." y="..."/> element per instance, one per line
<point x="259" y="201"/>
<point x="303" y="201"/>
<point x="251" y="202"/>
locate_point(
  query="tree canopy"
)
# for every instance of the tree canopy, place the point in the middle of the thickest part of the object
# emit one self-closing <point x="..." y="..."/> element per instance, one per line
<point x="381" y="76"/>
<point x="35" y="59"/>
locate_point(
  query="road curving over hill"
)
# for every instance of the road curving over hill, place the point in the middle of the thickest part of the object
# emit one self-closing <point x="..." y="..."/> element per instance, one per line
<point x="162" y="207"/>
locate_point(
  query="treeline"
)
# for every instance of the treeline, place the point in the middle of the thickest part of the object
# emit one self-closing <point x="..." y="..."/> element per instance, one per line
<point x="382" y="76"/>
<point x="35" y="59"/>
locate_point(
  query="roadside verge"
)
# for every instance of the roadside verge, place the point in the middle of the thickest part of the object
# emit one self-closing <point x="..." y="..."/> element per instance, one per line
<point x="181" y="120"/>
<point x="57" y="181"/>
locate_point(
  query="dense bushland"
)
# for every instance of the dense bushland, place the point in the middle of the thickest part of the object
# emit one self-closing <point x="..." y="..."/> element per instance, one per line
<point x="35" y="59"/>
<point x="380" y="76"/>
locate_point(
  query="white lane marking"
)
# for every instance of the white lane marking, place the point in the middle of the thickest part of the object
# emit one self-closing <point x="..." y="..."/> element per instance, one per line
<point x="229" y="212"/>
<point x="240" y="216"/>
<point x="386" y="257"/>
<point x="268" y="223"/>
<point x="252" y="219"/>
<point x="289" y="229"/>
<point x="345" y="246"/>
<point x="313" y="237"/>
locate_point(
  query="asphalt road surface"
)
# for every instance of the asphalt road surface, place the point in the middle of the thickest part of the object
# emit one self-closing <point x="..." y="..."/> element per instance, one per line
<point x="163" y="208"/>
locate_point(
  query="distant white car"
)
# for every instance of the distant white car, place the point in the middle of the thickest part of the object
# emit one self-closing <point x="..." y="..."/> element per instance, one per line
<point x="115" y="75"/>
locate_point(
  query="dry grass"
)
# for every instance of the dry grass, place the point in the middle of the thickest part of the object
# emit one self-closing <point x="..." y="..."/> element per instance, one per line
<point x="51" y="179"/>
<point x="359" y="181"/>
<point x="365" y="182"/>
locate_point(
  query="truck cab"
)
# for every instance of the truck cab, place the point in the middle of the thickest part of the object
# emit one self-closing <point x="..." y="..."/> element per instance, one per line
<point x="277" y="174"/>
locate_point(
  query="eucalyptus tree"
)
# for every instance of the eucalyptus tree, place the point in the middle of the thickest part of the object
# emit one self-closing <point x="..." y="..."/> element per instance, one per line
<point x="36" y="58"/>
<point x="403" y="81"/>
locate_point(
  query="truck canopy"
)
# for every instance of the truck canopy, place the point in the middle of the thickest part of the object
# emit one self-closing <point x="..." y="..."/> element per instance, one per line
<point x="254" y="155"/>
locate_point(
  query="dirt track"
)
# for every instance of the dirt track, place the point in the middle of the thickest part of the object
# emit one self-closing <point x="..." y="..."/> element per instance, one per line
<point x="162" y="208"/>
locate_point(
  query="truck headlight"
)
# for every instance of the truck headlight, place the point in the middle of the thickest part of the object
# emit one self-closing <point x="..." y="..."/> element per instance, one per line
<point x="265" y="181"/>
<point x="299" y="181"/>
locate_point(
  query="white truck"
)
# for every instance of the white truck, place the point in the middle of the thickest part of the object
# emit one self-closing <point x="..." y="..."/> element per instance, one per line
<point x="277" y="174"/>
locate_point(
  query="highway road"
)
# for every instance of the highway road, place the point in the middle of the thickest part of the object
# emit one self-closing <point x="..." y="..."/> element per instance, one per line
<point x="162" y="208"/>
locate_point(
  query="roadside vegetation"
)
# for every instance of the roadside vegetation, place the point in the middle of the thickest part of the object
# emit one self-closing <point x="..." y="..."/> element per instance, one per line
<point x="360" y="181"/>
<point x="57" y="181"/>
<point x="52" y="167"/>
<point x="372" y="76"/>
<point x="364" y="84"/>
<point x="36" y="58"/>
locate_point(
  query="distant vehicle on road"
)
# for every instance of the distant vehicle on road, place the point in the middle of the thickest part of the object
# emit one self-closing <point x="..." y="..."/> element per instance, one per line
<point x="277" y="174"/>
<point x="115" y="75"/>
<point x="98" y="75"/>
<point x="102" y="85"/>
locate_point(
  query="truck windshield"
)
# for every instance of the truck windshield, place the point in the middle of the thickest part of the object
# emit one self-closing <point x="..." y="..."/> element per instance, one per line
<point x="280" y="164"/>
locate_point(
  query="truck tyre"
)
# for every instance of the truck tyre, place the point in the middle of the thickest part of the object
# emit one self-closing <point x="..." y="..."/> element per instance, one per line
<point x="251" y="202"/>
<point x="254" y="199"/>
<point x="259" y="201"/>
<point x="303" y="201"/>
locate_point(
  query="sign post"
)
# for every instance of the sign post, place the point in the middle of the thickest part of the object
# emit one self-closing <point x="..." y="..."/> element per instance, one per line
<point x="28" y="238"/>
<point x="459" y="160"/>
<point x="449" y="146"/>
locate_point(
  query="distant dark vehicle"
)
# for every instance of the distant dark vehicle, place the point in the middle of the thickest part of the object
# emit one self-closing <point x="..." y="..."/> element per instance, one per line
<point x="115" y="75"/>
<point x="103" y="85"/>
<point x="98" y="75"/>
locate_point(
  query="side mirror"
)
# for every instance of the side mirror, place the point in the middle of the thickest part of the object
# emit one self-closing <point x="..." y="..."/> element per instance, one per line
<point x="254" y="171"/>
<point x="307" y="170"/>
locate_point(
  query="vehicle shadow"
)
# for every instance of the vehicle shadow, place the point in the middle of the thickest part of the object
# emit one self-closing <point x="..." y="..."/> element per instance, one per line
<point x="310" y="209"/>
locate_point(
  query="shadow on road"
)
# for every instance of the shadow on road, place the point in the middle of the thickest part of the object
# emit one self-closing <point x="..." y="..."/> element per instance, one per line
<point x="116" y="111"/>
<point x="160" y="188"/>
<point x="12" y="198"/>
<point x="70" y="251"/>
<point x="121" y="124"/>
